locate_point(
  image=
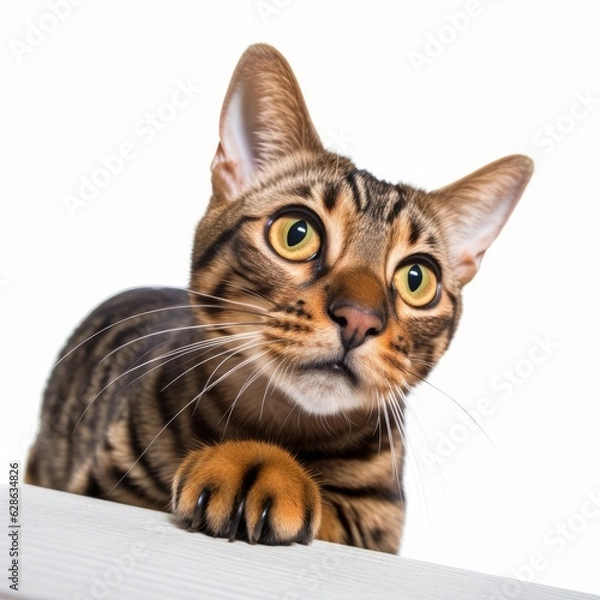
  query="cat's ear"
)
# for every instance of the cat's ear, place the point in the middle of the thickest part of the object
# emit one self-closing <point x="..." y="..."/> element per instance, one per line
<point x="475" y="209"/>
<point x="264" y="118"/>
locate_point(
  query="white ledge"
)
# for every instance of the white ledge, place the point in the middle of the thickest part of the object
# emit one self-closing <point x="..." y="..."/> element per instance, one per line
<point x="82" y="548"/>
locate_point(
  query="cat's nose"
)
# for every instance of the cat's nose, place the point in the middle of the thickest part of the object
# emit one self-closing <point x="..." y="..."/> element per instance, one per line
<point x="356" y="324"/>
<point x="357" y="302"/>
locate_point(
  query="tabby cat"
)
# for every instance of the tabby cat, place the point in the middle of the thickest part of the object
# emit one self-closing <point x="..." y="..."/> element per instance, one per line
<point x="265" y="402"/>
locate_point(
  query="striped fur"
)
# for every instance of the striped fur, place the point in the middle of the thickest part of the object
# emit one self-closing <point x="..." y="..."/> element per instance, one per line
<point x="237" y="403"/>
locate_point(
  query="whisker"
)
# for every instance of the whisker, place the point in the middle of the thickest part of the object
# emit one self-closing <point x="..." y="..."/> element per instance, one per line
<point x="464" y="410"/>
<point x="439" y="467"/>
<point x="237" y="367"/>
<point x="206" y="326"/>
<point x="208" y="384"/>
<point x="378" y="426"/>
<point x="294" y="407"/>
<point x="144" y="314"/>
<point x="231" y="284"/>
<point x="177" y="414"/>
<point x="437" y="464"/>
<point x="428" y="408"/>
<point x="129" y="371"/>
<point x="395" y="473"/>
<point x="325" y="425"/>
<point x="397" y="413"/>
<point x="254" y="375"/>
<point x="427" y="363"/>
<point x="272" y="379"/>
<point x="171" y="355"/>
<point x="221" y="299"/>
<point x="253" y="336"/>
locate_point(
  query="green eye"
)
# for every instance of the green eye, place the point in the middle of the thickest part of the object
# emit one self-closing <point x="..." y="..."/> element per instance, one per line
<point x="294" y="237"/>
<point x="416" y="283"/>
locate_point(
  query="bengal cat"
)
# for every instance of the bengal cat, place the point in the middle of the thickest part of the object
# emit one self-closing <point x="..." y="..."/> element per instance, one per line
<point x="265" y="402"/>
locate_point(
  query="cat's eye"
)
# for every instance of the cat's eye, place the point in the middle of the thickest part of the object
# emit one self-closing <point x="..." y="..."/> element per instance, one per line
<point x="417" y="283"/>
<point x="295" y="236"/>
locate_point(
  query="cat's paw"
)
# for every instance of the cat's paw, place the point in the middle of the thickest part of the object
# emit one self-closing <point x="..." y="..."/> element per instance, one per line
<point x="252" y="491"/>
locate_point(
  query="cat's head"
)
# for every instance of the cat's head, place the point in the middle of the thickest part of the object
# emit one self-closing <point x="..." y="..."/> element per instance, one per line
<point x="344" y="288"/>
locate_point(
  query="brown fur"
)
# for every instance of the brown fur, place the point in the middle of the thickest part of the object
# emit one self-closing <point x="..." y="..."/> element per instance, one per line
<point x="239" y="404"/>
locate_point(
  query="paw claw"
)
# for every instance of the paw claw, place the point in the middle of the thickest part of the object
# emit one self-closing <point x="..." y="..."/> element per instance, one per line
<point x="264" y="515"/>
<point x="250" y="491"/>
<point x="235" y="523"/>
<point x="200" y="510"/>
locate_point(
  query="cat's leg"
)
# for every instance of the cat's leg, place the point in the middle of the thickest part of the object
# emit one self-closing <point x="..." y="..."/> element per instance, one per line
<point x="363" y="501"/>
<point x="367" y="522"/>
<point x="247" y="490"/>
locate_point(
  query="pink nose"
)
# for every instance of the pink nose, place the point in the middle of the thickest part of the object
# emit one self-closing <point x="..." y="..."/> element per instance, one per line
<point x="356" y="324"/>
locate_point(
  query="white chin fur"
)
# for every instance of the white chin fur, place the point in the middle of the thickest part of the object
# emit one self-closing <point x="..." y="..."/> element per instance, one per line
<point x="321" y="393"/>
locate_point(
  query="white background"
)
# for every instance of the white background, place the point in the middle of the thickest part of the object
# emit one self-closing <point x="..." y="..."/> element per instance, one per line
<point x="493" y="504"/>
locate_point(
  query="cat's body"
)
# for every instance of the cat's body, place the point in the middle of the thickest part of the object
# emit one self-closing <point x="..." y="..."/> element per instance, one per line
<point x="92" y="455"/>
<point x="265" y="402"/>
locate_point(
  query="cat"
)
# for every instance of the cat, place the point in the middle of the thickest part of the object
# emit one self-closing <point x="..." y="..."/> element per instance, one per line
<point x="265" y="403"/>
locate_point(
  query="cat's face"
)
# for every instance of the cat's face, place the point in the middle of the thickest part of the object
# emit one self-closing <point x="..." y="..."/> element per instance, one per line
<point x="343" y="289"/>
<point x="351" y="278"/>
